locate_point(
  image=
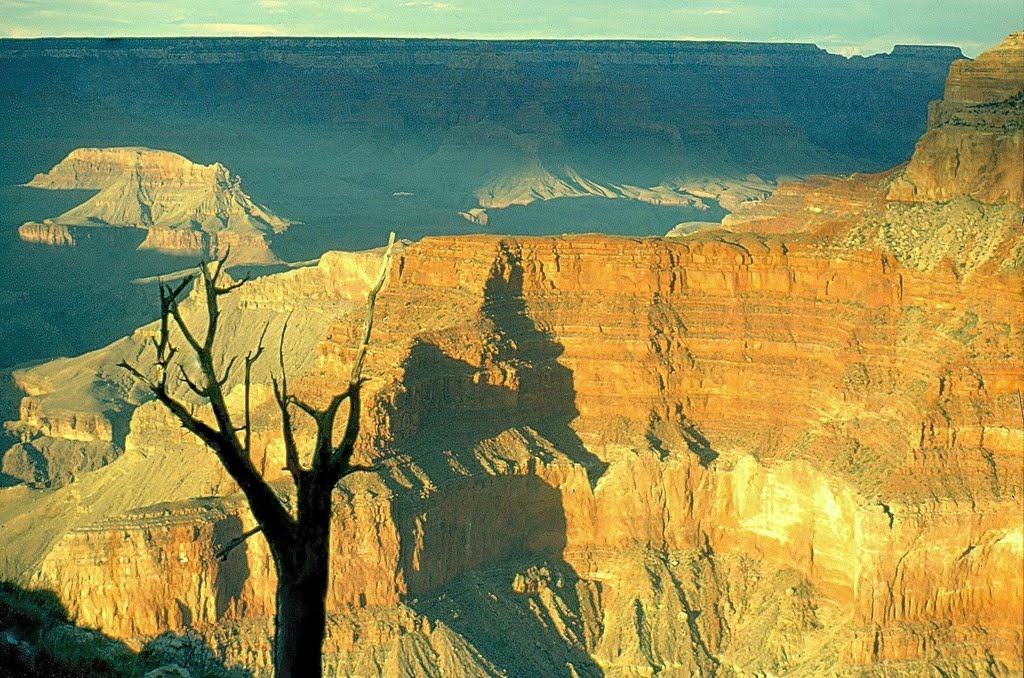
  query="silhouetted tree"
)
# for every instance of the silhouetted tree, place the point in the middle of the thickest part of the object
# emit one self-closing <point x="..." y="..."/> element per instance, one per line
<point x="299" y="540"/>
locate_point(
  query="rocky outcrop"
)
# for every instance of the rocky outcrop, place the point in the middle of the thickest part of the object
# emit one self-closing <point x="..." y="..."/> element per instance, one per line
<point x="47" y="233"/>
<point x="593" y="435"/>
<point x="996" y="75"/>
<point x="975" y="136"/>
<point x="185" y="207"/>
<point x="53" y="462"/>
<point x="959" y="207"/>
<point x="175" y="240"/>
<point x="535" y="182"/>
<point x="476" y="215"/>
<point x="853" y="212"/>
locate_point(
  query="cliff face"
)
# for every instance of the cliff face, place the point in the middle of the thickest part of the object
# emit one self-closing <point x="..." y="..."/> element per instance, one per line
<point x="996" y="75"/>
<point x="959" y="201"/>
<point x="47" y="233"/>
<point x="975" y="138"/>
<point x="185" y="207"/>
<point x="599" y="433"/>
<point x="794" y="449"/>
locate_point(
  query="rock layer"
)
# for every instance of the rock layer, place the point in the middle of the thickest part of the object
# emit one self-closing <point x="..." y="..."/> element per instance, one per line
<point x="975" y="138"/>
<point x="185" y="207"/>
<point x="534" y="182"/>
<point x="996" y="75"/>
<point x="638" y="417"/>
<point x="46" y="233"/>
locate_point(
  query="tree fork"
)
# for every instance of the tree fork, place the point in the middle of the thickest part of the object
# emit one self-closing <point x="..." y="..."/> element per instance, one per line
<point x="300" y="544"/>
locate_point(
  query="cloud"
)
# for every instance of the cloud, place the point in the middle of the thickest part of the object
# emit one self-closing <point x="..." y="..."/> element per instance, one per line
<point x="213" y="29"/>
<point x="718" y="12"/>
<point x="882" y="44"/>
<point x="273" y="5"/>
<point x="433" y="6"/>
<point x="19" y="32"/>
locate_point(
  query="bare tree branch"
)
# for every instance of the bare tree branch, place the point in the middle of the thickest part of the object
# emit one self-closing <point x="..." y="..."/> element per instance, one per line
<point x="281" y="395"/>
<point x="371" y="303"/>
<point x="175" y="313"/>
<point x="341" y="456"/>
<point x="227" y="371"/>
<point x="194" y="387"/>
<point x="250" y="360"/>
<point x="291" y="450"/>
<point x="222" y="439"/>
<point x="299" y="545"/>
<point x="223" y="554"/>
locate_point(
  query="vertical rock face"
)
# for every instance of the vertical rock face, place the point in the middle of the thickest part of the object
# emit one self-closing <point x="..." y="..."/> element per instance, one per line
<point x="975" y="138"/>
<point x="995" y="75"/>
<point x="736" y="453"/>
<point x="184" y="206"/>
<point x="814" y="460"/>
<point x="46" y="233"/>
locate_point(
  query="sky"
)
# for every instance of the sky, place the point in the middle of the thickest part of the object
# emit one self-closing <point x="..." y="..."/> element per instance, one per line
<point x="850" y="27"/>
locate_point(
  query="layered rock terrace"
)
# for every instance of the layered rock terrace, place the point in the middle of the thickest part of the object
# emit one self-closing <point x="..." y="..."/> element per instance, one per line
<point x="185" y="207"/>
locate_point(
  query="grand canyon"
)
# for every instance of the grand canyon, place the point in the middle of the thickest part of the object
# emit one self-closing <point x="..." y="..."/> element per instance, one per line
<point x="777" y="431"/>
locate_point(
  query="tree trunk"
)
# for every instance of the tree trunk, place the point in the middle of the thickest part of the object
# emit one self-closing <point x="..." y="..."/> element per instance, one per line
<point x="301" y="620"/>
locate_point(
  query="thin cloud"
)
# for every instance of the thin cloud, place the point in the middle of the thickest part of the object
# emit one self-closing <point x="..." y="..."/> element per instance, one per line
<point x="718" y="12"/>
<point x="246" y="30"/>
<point x="433" y="6"/>
<point x="273" y="5"/>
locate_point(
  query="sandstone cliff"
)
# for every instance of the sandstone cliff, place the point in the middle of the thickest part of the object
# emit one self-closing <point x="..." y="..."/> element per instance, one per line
<point x="46" y="232"/>
<point x="995" y="75"/>
<point x="975" y="138"/>
<point x="594" y="435"/>
<point x="186" y="208"/>
<point x="960" y="200"/>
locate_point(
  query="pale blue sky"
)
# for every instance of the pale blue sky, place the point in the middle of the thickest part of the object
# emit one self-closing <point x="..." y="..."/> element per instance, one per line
<point x="853" y="26"/>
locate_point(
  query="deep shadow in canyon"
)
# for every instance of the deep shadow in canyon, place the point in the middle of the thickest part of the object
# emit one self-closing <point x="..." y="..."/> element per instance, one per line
<point x="465" y="542"/>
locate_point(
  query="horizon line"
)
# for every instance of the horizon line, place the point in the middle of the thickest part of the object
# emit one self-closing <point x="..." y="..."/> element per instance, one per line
<point x="471" y="39"/>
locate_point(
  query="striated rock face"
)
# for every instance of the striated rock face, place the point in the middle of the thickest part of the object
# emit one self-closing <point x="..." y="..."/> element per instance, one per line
<point x="975" y="138"/>
<point x="995" y="75"/>
<point x="535" y="182"/>
<point x="476" y="215"/>
<point x="814" y="462"/>
<point x="185" y="207"/>
<point x="47" y="233"/>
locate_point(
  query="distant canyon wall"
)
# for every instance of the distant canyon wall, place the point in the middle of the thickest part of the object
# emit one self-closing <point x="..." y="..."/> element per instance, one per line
<point x="618" y="112"/>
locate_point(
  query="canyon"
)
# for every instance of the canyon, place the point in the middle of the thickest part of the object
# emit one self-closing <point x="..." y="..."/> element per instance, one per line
<point x="185" y="208"/>
<point x="458" y="120"/>
<point x="789" y="445"/>
<point x="353" y="138"/>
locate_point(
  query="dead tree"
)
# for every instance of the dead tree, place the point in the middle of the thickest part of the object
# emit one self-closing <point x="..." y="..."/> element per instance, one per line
<point x="299" y="539"/>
